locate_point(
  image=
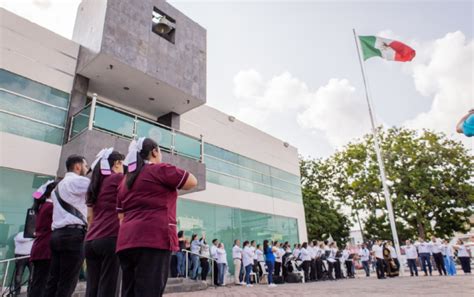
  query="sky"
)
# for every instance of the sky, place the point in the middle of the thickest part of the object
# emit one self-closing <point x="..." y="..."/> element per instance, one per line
<point x="291" y="69"/>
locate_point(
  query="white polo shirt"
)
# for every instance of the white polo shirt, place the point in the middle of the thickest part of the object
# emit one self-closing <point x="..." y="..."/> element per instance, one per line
<point x="247" y="258"/>
<point x="410" y="251"/>
<point x="462" y="251"/>
<point x="424" y="247"/>
<point x="259" y="254"/>
<point x="236" y="252"/>
<point x="72" y="189"/>
<point x="436" y="247"/>
<point x="378" y="251"/>
<point x="364" y="254"/>
<point x="213" y="251"/>
<point x="221" y="256"/>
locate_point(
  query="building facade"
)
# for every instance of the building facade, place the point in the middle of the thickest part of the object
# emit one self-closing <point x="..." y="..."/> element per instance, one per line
<point x="124" y="76"/>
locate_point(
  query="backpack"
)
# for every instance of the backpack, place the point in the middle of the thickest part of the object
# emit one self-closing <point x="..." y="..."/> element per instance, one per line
<point x="293" y="278"/>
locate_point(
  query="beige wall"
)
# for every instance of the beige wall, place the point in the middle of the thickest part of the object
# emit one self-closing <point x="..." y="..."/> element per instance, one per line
<point x="27" y="154"/>
<point x="35" y="52"/>
<point x="240" y="138"/>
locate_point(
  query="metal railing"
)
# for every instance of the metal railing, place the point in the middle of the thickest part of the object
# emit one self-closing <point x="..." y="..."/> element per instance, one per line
<point x="4" y="289"/>
<point x="122" y="123"/>
<point x="211" y="260"/>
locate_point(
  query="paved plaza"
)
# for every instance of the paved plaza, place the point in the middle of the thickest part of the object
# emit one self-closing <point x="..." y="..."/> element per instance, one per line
<point x="460" y="285"/>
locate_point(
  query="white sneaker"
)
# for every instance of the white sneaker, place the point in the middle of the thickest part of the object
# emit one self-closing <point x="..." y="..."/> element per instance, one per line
<point x="249" y="286"/>
<point x="272" y="285"/>
<point x="243" y="283"/>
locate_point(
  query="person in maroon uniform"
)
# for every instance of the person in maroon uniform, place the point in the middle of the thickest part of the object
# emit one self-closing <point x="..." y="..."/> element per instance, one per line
<point x="40" y="255"/>
<point x="102" y="262"/>
<point x="147" y="207"/>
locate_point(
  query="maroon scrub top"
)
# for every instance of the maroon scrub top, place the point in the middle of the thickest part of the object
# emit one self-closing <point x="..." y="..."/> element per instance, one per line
<point x="149" y="208"/>
<point x="44" y="218"/>
<point x="105" y="222"/>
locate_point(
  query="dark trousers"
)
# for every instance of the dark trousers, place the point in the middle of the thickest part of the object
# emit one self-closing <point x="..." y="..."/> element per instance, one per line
<point x="306" y="265"/>
<point x="338" y="270"/>
<point x="277" y="268"/>
<point x="379" y="266"/>
<point x="312" y="275"/>
<point x="438" y="257"/>
<point x="465" y="264"/>
<point x="20" y="266"/>
<point x="412" y="266"/>
<point x="67" y="255"/>
<point x="204" y="268"/>
<point x="349" y="268"/>
<point x="216" y="274"/>
<point x="365" y="265"/>
<point x="39" y="277"/>
<point x="425" y="260"/>
<point x="145" y="271"/>
<point x="102" y="267"/>
<point x="319" y="269"/>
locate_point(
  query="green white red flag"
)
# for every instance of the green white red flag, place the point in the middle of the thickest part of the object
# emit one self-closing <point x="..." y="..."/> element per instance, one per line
<point x="392" y="50"/>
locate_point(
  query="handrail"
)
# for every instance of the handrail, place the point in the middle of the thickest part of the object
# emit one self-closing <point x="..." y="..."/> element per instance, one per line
<point x="6" y="270"/>
<point x="201" y="256"/>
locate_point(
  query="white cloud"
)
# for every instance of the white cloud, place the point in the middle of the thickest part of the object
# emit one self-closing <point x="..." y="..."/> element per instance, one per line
<point x="445" y="71"/>
<point x="333" y="109"/>
<point x="338" y="111"/>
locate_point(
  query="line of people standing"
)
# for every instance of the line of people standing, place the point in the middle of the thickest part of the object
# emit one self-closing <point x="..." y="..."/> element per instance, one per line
<point x="114" y="220"/>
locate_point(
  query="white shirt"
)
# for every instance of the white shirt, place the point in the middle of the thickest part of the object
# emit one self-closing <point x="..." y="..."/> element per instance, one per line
<point x="424" y="247"/>
<point x="23" y="245"/>
<point x="259" y="255"/>
<point x="462" y="251"/>
<point x="305" y="255"/>
<point x="279" y="255"/>
<point x="236" y="252"/>
<point x="435" y="247"/>
<point x="364" y="254"/>
<point x="410" y="251"/>
<point x="195" y="246"/>
<point x="296" y="253"/>
<point x="378" y="251"/>
<point x="247" y="258"/>
<point x="317" y="252"/>
<point x="393" y="253"/>
<point x="221" y="256"/>
<point x="345" y="255"/>
<point x="254" y="253"/>
<point x="73" y="189"/>
<point x="448" y="250"/>
<point x="311" y="251"/>
<point x="214" y="251"/>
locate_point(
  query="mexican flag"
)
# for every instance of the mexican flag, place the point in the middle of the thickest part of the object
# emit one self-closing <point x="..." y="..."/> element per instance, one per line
<point x="392" y="50"/>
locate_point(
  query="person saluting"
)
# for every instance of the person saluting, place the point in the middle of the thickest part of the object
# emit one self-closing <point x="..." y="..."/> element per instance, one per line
<point x="146" y="204"/>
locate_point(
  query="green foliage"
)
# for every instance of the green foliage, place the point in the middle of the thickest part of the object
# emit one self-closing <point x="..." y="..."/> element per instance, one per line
<point x="323" y="217"/>
<point x="430" y="179"/>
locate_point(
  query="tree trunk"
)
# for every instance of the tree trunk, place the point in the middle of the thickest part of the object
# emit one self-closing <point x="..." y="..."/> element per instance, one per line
<point x="421" y="228"/>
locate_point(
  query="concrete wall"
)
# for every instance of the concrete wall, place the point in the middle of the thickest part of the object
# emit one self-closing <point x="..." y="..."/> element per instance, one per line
<point x="36" y="53"/>
<point x="89" y="143"/>
<point x="240" y="138"/>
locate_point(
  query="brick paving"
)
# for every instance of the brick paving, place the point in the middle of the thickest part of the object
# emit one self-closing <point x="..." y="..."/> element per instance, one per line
<point x="458" y="286"/>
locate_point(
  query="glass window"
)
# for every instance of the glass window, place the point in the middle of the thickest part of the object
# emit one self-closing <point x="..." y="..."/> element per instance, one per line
<point x="16" y="188"/>
<point x="114" y="121"/>
<point x="27" y="128"/>
<point x="221" y="179"/>
<point x="187" y="146"/>
<point x="80" y="121"/>
<point x="161" y="135"/>
<point x="27" y="87"/>
<point x="32" y="109"/>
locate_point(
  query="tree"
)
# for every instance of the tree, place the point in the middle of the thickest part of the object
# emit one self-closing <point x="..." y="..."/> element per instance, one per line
<point x="323" y="217"/>
<point x="430" y="180"/>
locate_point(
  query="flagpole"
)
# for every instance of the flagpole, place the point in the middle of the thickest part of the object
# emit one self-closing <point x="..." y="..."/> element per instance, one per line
<point x="379" y="157"/>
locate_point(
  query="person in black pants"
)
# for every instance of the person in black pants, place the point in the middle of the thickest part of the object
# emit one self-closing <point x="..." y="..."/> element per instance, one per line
<point x="69" y="229"/>
<point x="436" y="249"/>
<point x="213" y="252"/>
<point x="102" y="262"/>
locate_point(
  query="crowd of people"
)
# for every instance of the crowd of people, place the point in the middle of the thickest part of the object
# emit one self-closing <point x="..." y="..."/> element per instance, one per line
<point x="275" y="262"/>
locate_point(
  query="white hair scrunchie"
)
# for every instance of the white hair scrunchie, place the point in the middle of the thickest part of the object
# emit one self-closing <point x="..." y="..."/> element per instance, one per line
<point x="103" y="157"/>
<point x="40" y="191"/>
<point x="134" y="149"/>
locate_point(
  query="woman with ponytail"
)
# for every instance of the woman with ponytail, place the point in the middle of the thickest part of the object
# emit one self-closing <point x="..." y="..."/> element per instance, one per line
<point x="147" y="207"/>
<point x="40" y="255"/>
<point x="102" y="262"/>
